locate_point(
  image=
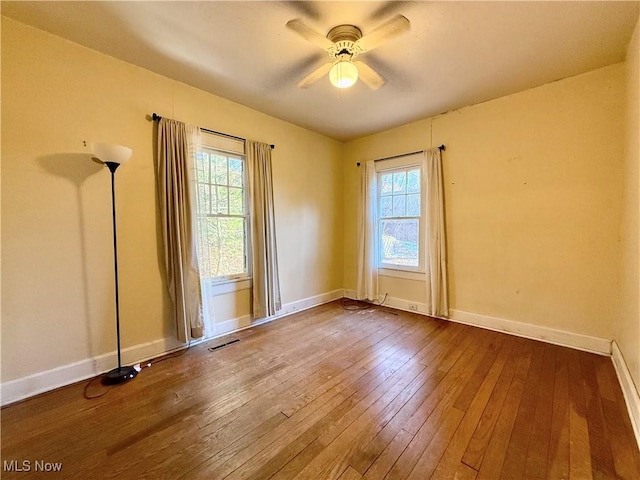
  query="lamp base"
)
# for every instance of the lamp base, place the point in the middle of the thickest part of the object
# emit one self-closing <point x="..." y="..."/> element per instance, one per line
<point x="119" y="375"/>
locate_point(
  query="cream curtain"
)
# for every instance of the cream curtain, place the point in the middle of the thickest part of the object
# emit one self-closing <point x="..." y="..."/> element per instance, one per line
<point x="367" y="283"/>
<point x="435" y="243"/>
<point x="266" y="285"/>
<point x="177" y="144"/>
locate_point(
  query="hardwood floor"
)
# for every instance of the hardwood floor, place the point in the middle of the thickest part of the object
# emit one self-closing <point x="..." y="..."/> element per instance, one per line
<point x="336" y="394"/>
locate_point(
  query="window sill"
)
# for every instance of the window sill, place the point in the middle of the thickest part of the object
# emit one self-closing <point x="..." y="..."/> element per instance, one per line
<point x="406" y="274"/>
<point x="221" y="287"/>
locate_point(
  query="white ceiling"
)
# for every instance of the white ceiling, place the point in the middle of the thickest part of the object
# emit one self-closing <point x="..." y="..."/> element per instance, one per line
<point x="456" y="53"/>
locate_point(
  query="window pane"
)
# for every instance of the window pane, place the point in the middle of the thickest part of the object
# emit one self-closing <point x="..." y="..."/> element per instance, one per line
<point x="399" y="182"/>
<point x="413" y="181"/>
<point x="202" y="167"/>
<point x="398" y="206"/>
<point x="413" y="205"/>
<point x="203" y="199"/>
<point x="221" y="246"/>
<point x="386" y="206"/>
<point x="399" y="242"/>
<point x="220" y="169"/>
<point x="223" y="200"/>
<point x="235" y="201"/>
<point x="386" y="184"/>
<point x="235" y="172"/>
<point x="214" y="199"/>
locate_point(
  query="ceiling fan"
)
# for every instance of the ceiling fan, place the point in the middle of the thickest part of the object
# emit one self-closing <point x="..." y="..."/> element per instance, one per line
<point x="344" y="43"/>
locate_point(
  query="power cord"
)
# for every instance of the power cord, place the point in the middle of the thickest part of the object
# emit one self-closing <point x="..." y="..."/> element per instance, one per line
<point x="86" y="387"/>
<point x="138" y="367"/>
<point x="355" y="305"/>
<point x="168" y="357"/>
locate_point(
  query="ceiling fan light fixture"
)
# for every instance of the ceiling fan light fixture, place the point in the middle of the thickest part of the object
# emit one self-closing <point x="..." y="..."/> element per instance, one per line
<point x="343" y="74"/>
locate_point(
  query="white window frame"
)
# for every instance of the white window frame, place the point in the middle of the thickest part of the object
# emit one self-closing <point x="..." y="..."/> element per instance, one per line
<point x="212" y="146"/>
<point x="390" y="269"/>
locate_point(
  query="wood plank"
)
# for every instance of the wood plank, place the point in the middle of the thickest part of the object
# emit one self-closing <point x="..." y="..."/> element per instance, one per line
<point x="473" y="385"/>
<point x="389" y="456"/>
<point x="436" y="448"/>
<point x="370" y="443"/>
<point x="208" y="432"/>
<point x="516" y="454"/>
<point x="558" y="459"/>
<point x="264" y="405"/>
<point x="132" y="404"/>
<point x="599" y="446"/>
<point x="338" y="437"/>
<point x="579" y="456"/>
<point x="536" y="463"/>
<point x="437" y="411"/>
<point x="496" y="450"/>
<point x="290" y="467"/>
<point x="457" y="378"/>
<point x="350" y="474"/>
<point x="450" y="460"/>
<point x="465" y="472"/>
<point x="374" y="377"/>
<point x="364" y="454"/>
<point x="605" y="376"/>
<point x="475" y="451"/>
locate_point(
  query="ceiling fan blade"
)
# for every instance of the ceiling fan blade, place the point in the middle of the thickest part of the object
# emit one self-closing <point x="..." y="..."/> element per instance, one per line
<point x="369" y="76"/>
<point x="314" y="76"/>
<point x="394" y="27"/>
<point x="309" y="33"/>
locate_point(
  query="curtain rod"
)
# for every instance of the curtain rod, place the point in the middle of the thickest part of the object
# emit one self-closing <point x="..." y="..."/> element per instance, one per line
<point x="441" y="148"/>
<point x="156" y="117"/>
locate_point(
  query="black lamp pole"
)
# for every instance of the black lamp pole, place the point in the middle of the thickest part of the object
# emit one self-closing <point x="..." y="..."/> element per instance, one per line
<point x="120" y="374"/>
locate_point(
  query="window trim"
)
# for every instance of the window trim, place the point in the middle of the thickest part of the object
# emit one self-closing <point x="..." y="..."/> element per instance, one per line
<point x="223" y="287"/>
<point x="404" y="274"/>
<point x="403" y="165"/>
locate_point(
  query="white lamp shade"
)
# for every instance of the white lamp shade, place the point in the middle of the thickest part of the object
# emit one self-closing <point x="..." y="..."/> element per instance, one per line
<point x="343" y="74"/>
<point x="107" y="152"/>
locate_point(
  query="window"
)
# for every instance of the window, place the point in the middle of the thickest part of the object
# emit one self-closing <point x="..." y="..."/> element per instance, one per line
<point x="222" y="214"/>
<point x="399" y="218"/>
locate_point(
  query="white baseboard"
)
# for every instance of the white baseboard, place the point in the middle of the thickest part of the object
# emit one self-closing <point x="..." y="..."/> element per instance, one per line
<point x="350" y="293"/>
<point x="309" y="302"/>
<point x="601" y="346"/>
<point x="25" y="387"/>
<point x="240" y="323"/>
<point x="578" y="341"/>
<point x="629" y="390"/>
<point x="229" y="326"/>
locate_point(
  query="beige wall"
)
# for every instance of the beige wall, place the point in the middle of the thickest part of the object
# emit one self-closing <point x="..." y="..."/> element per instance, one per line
<point x="57" y="254"/>
<point x="532" y="202"/>
<point x="627" y="333"/>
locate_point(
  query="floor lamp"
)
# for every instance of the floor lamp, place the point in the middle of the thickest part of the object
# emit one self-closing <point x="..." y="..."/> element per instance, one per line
<point x="113" y="156"/>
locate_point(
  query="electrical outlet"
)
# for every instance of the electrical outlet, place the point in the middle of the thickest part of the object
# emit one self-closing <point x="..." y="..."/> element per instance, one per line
<point x="413" y="306"/>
